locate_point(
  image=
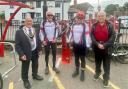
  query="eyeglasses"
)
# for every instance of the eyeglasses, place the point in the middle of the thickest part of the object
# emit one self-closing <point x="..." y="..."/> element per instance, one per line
<point x="79" y="18"/>
<point x="49" y="15"/>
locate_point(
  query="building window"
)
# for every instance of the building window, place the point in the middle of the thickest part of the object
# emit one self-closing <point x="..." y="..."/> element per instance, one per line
<point x="38" y="14"/>
<point x="31" y="4"/>
<point x="11" y="6"/>
<point x="90" y="16"/>
<point x="38" y="4"/>
<point x="23" y="15"/>
<point x="57" y="4"/>
<point x="57" y="16"/>
<point x="11" y="15"/>
<point x="15" y="23"/>
<point x="70" y="15"/>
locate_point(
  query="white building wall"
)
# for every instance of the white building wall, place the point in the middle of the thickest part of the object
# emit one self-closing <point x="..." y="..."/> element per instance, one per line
<point x="50" y="4"/>
<point x="90" y="11"/>
<point x="66" y="8"/>
<point x="2" y="8"/>
<point x="59" y="9"/>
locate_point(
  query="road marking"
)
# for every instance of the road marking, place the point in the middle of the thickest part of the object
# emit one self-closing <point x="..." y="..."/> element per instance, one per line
<point x="56" y="79"/>
<point x="59" y="83"/>
<point x="11" y="85"/>
<point x="113" y="85"/>
<point x="52" y="72"/>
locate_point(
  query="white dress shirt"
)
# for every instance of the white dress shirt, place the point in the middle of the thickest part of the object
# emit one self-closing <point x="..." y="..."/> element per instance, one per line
<point x="32" y="41"/>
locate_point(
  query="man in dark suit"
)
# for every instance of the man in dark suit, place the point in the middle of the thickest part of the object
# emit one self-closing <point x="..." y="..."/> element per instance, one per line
<point x="28" y="46"/>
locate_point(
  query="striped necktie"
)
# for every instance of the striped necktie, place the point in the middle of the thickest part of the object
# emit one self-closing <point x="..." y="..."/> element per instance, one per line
<point x="30" y="33"/>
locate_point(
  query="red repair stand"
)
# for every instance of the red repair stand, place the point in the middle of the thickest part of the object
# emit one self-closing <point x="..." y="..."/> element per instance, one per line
<point x="1" y="50"/>
<point x="66" y="52"/>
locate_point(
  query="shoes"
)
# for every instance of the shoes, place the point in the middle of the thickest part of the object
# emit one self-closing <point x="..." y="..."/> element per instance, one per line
<point x="75" y="73"/>
<point x="47" y="70"/>
<point x="105" y="83"/>
<point x="56" y="70"/>
<point x="27" y="84"/>
<point x="37" y="77"/>
<point x="96" y="76"/>
<point x="82" y="77"/>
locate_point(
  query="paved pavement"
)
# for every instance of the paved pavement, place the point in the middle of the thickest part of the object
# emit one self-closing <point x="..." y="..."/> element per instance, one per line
<point x="119" y="76"/>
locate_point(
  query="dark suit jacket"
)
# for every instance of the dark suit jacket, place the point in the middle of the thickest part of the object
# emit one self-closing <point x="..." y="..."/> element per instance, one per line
<point x="22" y="44"/>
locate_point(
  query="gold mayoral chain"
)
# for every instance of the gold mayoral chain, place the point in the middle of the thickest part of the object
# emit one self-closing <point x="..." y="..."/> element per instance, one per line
<point x="31" y="34"/>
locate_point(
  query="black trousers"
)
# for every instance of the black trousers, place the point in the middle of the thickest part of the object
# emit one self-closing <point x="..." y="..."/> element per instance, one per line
<point x="25" y="66"/>
<point x="102" y="55"/>
<point x="47" y="51"/>
<point x="79" y="53"/>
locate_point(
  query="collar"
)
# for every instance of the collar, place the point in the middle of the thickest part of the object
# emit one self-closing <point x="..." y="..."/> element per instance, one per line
<point x="49" y="21"/>
<point x="28" y="28"/>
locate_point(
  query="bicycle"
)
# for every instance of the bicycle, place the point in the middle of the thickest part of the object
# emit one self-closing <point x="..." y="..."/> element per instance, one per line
<point x="1" y="82"/>
<point x="119" y="52"/>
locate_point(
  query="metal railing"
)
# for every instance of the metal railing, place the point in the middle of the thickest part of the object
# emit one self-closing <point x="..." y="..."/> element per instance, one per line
<point x="14" y="57"/>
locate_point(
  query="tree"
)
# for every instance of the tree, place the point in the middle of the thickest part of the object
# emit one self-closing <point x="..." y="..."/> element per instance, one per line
<point x="125" y="6"/>
<point x="121" y="9"/>
<point x="111" y="8"/>
<point x="2" y="16"/>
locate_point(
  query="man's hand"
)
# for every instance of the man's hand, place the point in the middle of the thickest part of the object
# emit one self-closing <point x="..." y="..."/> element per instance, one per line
<point x="101" y="46"/>
<point x="54" y="41"/>
<point x="40" y="52"/>
<point x="24" y="58"/>
<point x="44" y="43"/>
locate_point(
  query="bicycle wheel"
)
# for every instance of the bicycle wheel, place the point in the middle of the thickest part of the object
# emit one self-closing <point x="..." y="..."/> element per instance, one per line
<point x="1" y="82"/>
<point x="123" y="56"/>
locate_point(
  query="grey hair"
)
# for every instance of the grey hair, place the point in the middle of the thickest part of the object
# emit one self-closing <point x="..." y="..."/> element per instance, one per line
<point x="101" y="12"/>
